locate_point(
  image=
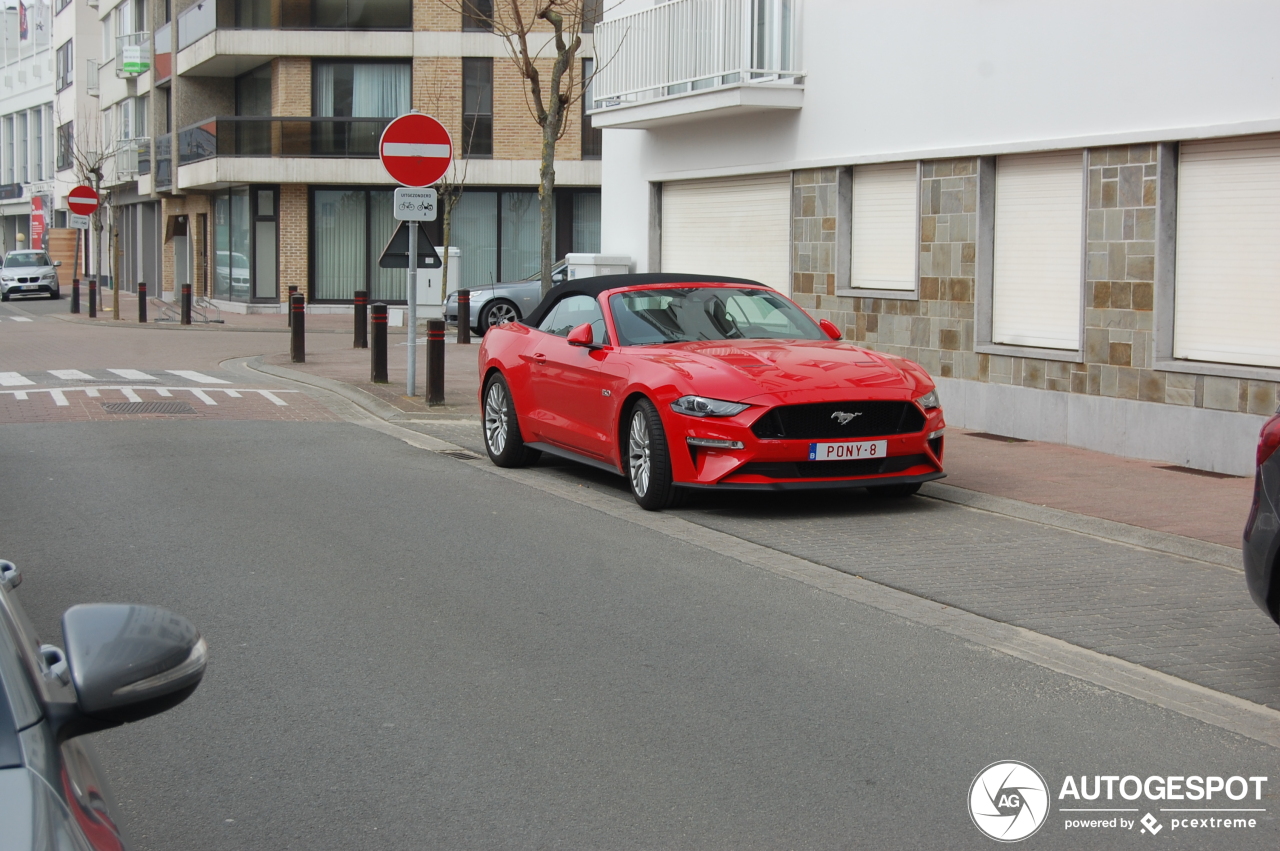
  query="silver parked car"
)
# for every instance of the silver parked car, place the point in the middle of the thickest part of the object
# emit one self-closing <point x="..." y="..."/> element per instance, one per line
<point x="122" y="663"/>
<point x="495" y="304"/>
<point x="29" y="272"/>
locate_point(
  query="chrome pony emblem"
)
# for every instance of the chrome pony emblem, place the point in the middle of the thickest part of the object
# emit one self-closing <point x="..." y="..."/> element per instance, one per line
<point x="844" y="418"/>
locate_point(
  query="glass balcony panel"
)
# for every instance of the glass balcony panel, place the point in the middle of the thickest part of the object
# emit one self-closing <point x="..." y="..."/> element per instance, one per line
<point x="264" y="136"/>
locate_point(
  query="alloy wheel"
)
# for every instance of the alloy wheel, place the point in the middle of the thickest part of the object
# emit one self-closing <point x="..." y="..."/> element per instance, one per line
<point x="501" y="314"/>
<point x="641" y="459"/>
<point x="495" y="418"/>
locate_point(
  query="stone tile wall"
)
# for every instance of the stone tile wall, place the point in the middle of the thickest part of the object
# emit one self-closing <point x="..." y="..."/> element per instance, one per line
<point x="938" y="329"/>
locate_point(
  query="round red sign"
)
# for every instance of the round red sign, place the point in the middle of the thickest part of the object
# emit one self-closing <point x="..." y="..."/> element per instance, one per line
<point x="416" y="149"/>
<point x="82" y="200"/>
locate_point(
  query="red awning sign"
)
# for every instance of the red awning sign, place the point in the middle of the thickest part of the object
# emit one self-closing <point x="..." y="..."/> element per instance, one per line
<point x="82" y="200"/>
<point x="415" y="149"/>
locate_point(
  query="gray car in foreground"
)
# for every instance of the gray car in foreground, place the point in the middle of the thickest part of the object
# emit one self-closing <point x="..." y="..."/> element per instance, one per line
<point x="495" y="304"/>
<point x="122" y="663"/>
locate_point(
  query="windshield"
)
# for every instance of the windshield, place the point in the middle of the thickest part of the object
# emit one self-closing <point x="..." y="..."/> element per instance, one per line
<point x="26" y="259"/>
<point x="647" y="317"/>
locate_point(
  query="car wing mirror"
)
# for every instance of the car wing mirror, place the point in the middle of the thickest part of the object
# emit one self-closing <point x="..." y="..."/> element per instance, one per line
<point x="829" y="328"/>
<point x="57" y="262"/>
<point x="126" y="663"/>
<point x="581" y="336"/>
<point x="10" y="576"/>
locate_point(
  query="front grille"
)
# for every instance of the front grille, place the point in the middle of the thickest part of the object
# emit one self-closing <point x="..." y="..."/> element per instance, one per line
<point x="817" y="422"/>
<point x="831" y="469"/>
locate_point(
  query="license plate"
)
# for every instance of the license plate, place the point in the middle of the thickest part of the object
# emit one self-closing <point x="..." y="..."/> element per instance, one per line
<point x="848" y="451"/>
<point x="32" y="287"/>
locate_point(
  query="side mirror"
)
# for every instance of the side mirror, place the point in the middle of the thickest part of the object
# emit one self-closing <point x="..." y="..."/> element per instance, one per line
<point x="581" y="336"/>
<point x="10" y="577"/>
<point x="57" y="262"/>
<point x="126" y="663"/>
<point x="829" y="328"/>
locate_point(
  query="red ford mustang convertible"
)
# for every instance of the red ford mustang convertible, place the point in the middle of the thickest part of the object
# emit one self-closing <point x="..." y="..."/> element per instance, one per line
<point x="688" y="381"/>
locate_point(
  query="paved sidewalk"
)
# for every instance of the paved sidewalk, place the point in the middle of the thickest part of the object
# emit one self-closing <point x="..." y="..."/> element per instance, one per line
<point x="1144" y="494"/>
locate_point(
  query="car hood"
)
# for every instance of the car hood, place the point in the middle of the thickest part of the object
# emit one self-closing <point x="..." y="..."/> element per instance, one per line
<point x="26" y="271"/>
<point x="741" y="370"/>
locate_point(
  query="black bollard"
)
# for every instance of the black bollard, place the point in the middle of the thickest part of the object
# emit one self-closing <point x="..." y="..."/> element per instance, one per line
<point x="142" y="303"/>
<point x="435" y="361"/>
<point x="464" y="316"/>
<point x="186" y="304"/>
<point x="298" y="328"/>
<point x="75" y="295"/>
<point x="378" y="350"/>
<point x="93" y="298"/>
<point x="288" y="309"/>
<point x="362" y="320"/>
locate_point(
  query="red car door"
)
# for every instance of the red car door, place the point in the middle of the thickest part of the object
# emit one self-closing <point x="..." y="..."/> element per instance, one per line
<point x="564" y="380"/>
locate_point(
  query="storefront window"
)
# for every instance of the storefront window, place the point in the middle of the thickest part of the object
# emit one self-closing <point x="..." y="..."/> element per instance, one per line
<point x="339" y="238"/>
<point x="245" y="245"/>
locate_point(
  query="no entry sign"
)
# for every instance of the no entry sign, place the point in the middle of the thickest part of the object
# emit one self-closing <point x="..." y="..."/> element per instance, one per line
<point x="415" y="149"/>
<point x="82" y="200"/>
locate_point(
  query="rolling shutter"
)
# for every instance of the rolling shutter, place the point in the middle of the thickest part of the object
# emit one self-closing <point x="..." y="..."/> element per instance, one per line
<point x="1227" y="290"/>
<point x="1038" y="245"/>
<point x="885" y="219"/>
<point x="739" y="227"/>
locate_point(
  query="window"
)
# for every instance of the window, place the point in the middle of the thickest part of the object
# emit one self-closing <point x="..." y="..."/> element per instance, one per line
<point x="37" y="118"/>
<point x="63" y="62"/>
<point x="66" y="142"/>
<point x="24" y="160"/>
<point x="362" y="14"/>
<point x="349" y="228"/>
<point x="60" y="5"/>
<point x="884" y="221"/>
<point x="477" y="15"/>
<point x="253" y="91"/>
<point x="140" y="126"/>
<point x="592" y="12"/>
<point x="571" y="312"/>
<point x="592" y="137"/>
<point x="9" y="171"/>
<point x="1036" y="283"/>
<point x="361" y="89"/>
<point x="1226" y="303"/>
<point x="245" y="244"/>
<point x="477" y="108"/>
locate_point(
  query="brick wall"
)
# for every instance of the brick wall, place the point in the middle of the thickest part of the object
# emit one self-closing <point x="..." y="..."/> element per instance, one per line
<point x="437" y="91"/>
<point x="516" y="135"/>
<point x="294" y="259"/>
<point x="291" y="86"/>
<point x="938" y="329"/>
<point x="193" y="207"/>
<point x="437" y="15"/>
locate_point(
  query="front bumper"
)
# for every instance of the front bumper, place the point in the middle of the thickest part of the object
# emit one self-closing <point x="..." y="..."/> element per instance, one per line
<point x="43" y="287"/>
<point x="782" y="464"/>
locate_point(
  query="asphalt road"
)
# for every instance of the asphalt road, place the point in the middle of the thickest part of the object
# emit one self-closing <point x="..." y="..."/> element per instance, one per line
<point x="410" y="652"/>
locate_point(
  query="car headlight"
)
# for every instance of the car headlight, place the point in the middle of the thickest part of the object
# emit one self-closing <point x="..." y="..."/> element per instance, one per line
<point x="929" y="400"/>
<point x="48" y="276"/>
<point x="701" y="406"/>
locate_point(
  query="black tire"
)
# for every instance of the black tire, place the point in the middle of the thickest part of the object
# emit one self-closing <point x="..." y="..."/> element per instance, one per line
<point x="497" y="312"/>
<point x="894" y="491"/>
<point x="502" y="438"/>
<point x="648" y="459"/>
<point x="56" y="294"/>
<point x="4" y="297"/>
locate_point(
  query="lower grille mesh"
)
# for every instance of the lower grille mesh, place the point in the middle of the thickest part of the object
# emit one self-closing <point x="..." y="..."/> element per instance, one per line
<point x="831" y="469"/>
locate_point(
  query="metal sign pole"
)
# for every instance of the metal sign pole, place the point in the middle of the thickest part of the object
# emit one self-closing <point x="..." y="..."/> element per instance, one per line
<point x="412" y="380"/>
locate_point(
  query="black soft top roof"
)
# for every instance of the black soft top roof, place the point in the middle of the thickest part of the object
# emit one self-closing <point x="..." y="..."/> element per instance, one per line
<point x="602" y="283"/>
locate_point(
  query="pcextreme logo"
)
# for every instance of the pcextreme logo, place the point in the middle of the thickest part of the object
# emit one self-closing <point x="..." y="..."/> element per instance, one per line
<point x="1009" y="801"/>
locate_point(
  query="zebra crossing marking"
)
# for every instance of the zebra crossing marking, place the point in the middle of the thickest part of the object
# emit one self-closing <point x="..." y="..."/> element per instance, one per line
<point x="14" y="379"/>
<point x="133" y="374"/>
<point x="59" y="394"/>
<point x="70" y="375"/>
<point x="20" y="319"/>
<point x="191" y="375"/>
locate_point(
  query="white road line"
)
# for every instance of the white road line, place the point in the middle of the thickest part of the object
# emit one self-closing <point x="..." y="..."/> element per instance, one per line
<point x="133" y="375"/>
<point x="201" y="395"/>
<point x="234" y="394"/>
<point x="14" y="379"/>
<point x="58" y="398"/>
<point x="20" y="395"/>
<point x="20" y="319"/>
<point x="130" y="395"/>
<point x="267" y="394"/>
<point x="92" y="393"/>
<point x="164" y="391"/>
<point x="196" y="376"/>
<point x="70" y="375"/>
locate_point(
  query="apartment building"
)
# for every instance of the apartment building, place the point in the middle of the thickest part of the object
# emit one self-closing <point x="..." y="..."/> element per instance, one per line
<point x="26" y="123"/>
<point x="243" y="138"/>
<point x="1067" y="213"/>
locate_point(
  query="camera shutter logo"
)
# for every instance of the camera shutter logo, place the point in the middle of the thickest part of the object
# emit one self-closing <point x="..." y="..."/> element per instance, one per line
<point x="1008" y="801"/>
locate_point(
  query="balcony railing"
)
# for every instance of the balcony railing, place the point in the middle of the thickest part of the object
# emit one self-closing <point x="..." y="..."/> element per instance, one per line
<point x="133" y="157"/>
<point x="91" y="77"/>
<point x="196" y="23"/>
<point x="164" y="52"/>
<point x="164" y="161"/>
<point x="686" y="46"/>
<point x="209" y="15"/>
<point x="133" y="54"/>
<point x="252" y="136"/>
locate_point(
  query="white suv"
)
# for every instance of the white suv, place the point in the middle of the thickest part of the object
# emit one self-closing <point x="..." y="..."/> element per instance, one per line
<point x="29" y="272"/>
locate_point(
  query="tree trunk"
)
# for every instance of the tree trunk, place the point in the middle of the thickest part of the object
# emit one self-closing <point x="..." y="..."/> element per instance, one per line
<point x="546" y="193"/>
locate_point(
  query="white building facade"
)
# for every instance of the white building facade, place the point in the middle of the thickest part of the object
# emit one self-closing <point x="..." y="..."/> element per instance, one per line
<point x="1068" y="213"/>
<point x="26" y="116"/>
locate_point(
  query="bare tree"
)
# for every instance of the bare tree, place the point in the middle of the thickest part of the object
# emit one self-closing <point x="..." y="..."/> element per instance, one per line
<point x="524" y="25"/>
<point x="449" y="188"/>
<point x="91" y="148"/>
